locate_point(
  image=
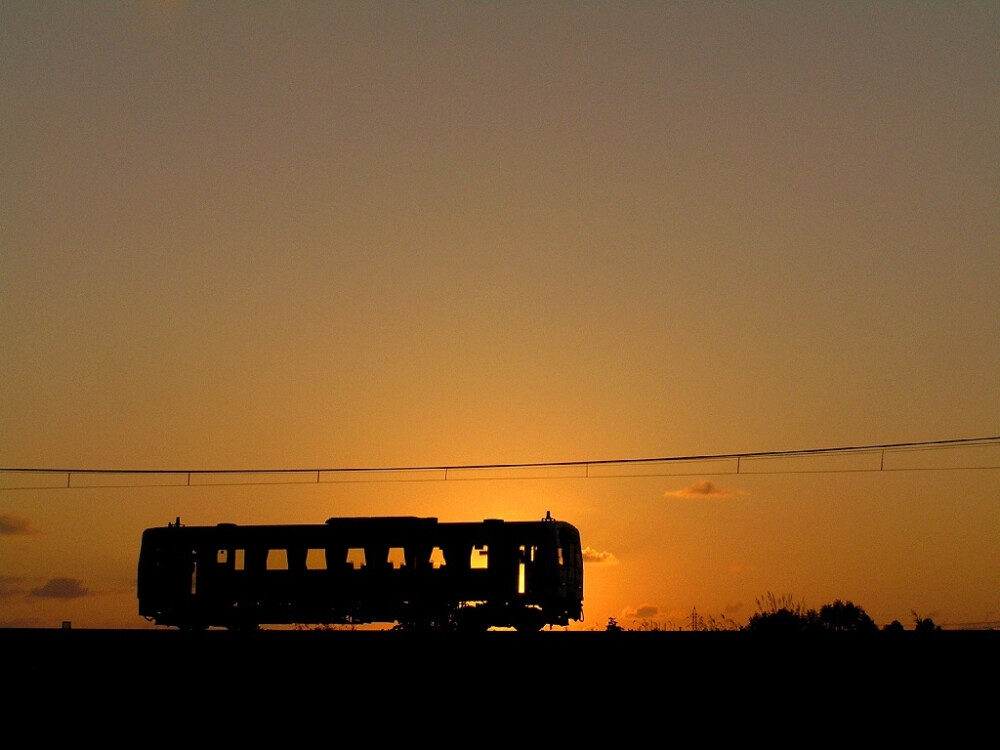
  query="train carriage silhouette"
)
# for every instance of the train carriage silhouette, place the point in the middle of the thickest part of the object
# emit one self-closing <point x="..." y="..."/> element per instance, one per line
<point x="407" y="571"/>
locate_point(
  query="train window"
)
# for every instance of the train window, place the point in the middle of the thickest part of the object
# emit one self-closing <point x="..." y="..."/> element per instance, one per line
<point x="480" y="557"/>
<point x="356" y="557"/>
<point x="316" y="559"/>
<point x="277" y="559"/>
<point x="222" y="556"/>
<point x="437" y="558"/>
<point x="562" y="561"/>
<point x="397" y="556"/>
<point x="240" y="556"/>
<point x="527" y="557"/>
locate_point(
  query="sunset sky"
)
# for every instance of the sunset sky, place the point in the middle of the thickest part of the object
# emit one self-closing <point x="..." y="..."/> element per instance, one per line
<point x="262" y="235"/>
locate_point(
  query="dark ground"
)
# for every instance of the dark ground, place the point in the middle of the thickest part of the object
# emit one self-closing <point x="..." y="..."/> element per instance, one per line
<point x="560" y="685"/>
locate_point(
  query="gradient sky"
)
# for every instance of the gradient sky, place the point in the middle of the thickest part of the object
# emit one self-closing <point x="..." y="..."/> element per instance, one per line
<point x="328" y="235"/>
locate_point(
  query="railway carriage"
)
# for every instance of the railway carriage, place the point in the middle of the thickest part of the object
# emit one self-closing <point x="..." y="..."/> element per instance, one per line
<point x="404" y="571"/>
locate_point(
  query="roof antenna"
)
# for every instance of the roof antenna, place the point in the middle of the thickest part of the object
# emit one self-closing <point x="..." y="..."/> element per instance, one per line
<point x="548" y="515"/>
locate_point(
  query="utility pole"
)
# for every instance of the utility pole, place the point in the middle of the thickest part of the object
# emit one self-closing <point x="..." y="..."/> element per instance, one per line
<point x="696" y="623"/>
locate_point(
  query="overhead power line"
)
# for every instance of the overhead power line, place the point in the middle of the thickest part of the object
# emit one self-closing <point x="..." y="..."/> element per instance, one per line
<point x="759" y="462"/>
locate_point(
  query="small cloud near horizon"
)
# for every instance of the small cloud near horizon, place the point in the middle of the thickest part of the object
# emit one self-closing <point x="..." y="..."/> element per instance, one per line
<point x="23" y="622"/>
<point x="703" y="488"/>
<point x="591" y="555"/>
<point x="642" y="612"/>
<point x="10" y="586"/>
<point x="11" y="525"/>
<point x="62" y="588"/>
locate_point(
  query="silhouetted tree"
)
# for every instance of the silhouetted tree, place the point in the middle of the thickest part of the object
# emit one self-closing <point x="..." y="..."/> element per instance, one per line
<point x="924" y="624"/>
<point x="893" y="627"/>
<point x="845" y="617"/>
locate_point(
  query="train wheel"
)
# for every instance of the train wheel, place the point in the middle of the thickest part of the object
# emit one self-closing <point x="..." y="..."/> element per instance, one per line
<point x="530" y="622"/>
<point x="469" y="621"/>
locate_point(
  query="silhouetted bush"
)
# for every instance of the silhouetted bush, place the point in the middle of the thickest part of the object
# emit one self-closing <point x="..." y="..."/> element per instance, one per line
<point x="723" y="623"/>
<point x="781" y="615"/>
<point x="613" y="626"/>
<point x="845" y="617"/>
<point x="924" y="624"/>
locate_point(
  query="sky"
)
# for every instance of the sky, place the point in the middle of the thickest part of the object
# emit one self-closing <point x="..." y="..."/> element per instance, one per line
<point x="260" y="236"/>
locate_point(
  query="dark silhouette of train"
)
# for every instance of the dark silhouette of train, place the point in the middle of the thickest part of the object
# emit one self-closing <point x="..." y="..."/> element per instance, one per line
<point x="403" y="571"/>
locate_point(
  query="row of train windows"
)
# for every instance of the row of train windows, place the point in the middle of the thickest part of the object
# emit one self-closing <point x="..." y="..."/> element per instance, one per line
<point x="277" y="559"/>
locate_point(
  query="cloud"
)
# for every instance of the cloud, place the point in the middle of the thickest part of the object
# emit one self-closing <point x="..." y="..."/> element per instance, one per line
<point x="23" y="622"/>
<point x="10" y="586"/>
<point x="62" y="588"/>
<point x="646" y="617"/>
<point x="11" y="525"/>
<point x="732" y="610"/>
<point x="703" y="488"/>
<point x="591" y="555"/>
<point x="643" y="612"/>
